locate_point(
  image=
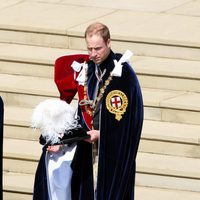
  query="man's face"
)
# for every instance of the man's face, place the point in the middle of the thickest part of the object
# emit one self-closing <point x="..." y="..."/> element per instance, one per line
<point x="98" y="49"/>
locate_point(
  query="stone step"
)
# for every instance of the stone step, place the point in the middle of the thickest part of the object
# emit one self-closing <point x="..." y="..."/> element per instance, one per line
<point x="164" y="105"/>
<point x="12" y="195"/>
<point x="171" y="106"/>
<point x="30" y="60"/>
<point x="155" y="142"/>
<point x="161" y="73"/>
<point x="24" y="132"/>
<point x="167" y="182"/>
<point x="149" y="175"/>
<point x="151" y="193"/>
<point x="17" y="183"/>
<point x="171" y="74"/>
<point x="34" y="86"/>
<point x="19" y="186"/>
<point x="24" y="160"/>
<point x="157" y="136"/>
<point x="21" y="156"/>
<point x="170" y="139"/>
<point x="160" y="105"/>
<point x="153" y="33"/>
<point x="167" y="165"/>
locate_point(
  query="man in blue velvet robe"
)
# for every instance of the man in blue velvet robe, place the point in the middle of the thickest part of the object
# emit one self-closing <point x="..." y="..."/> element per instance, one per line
<point x="110" y="109"/>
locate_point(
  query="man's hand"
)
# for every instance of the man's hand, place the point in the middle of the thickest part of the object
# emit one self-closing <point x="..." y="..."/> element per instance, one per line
<point x="94" y="135"/>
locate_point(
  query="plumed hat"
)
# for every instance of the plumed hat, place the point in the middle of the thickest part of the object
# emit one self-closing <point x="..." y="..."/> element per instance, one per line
<point x="53" y="117"/>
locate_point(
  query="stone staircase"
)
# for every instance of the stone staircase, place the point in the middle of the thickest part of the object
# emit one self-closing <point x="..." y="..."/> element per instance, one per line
<point x="166" y="60"/>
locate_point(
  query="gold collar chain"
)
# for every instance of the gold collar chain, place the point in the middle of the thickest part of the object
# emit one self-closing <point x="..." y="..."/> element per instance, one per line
<point x="93" y="104"/>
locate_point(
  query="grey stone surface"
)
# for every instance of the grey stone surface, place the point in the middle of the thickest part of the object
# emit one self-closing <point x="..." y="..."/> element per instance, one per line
<point x="46" y="17"/>
<point x="134" y="5"/>
<point x="144" y="26"/>
<point x="6" y="4"/>
<point x="190" y="9"/>
<point x="72" y="18"/>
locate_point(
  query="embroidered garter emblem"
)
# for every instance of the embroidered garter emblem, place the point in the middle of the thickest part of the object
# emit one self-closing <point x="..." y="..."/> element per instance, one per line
<point x="116" y="103"/>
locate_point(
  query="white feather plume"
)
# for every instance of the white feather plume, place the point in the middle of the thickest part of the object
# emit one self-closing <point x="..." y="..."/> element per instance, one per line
<point x="53" y="117"/>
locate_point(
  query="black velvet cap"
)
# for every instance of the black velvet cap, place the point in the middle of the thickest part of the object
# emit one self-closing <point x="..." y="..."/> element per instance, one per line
<point x="70" y="136"/>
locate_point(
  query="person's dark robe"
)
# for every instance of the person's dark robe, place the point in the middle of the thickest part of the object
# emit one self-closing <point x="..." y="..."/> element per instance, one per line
<point x="82" y="177"/>
<point x="119" y="139"/>
<point x="1" y="133"/>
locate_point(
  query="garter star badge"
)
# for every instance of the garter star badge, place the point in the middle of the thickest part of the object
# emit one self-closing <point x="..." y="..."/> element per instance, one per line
<point x="116" y="103"/>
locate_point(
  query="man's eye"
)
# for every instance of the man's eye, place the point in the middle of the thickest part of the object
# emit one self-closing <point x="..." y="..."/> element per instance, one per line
<point x="95" y="49"/>
<point x="98" y="48"/>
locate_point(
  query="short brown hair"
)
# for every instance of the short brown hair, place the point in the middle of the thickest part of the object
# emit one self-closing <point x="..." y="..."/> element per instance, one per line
<point x="98" y="28"/>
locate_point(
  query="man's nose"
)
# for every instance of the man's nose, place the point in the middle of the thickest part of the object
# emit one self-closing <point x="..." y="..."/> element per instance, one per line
<point x="93" y="53"/>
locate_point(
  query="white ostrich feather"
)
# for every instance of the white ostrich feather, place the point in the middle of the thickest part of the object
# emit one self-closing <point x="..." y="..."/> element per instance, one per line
<point x="53" y="117"/>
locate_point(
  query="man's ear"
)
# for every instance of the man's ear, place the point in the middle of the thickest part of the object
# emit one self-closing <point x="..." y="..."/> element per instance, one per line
<point x="109" y="43"/>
